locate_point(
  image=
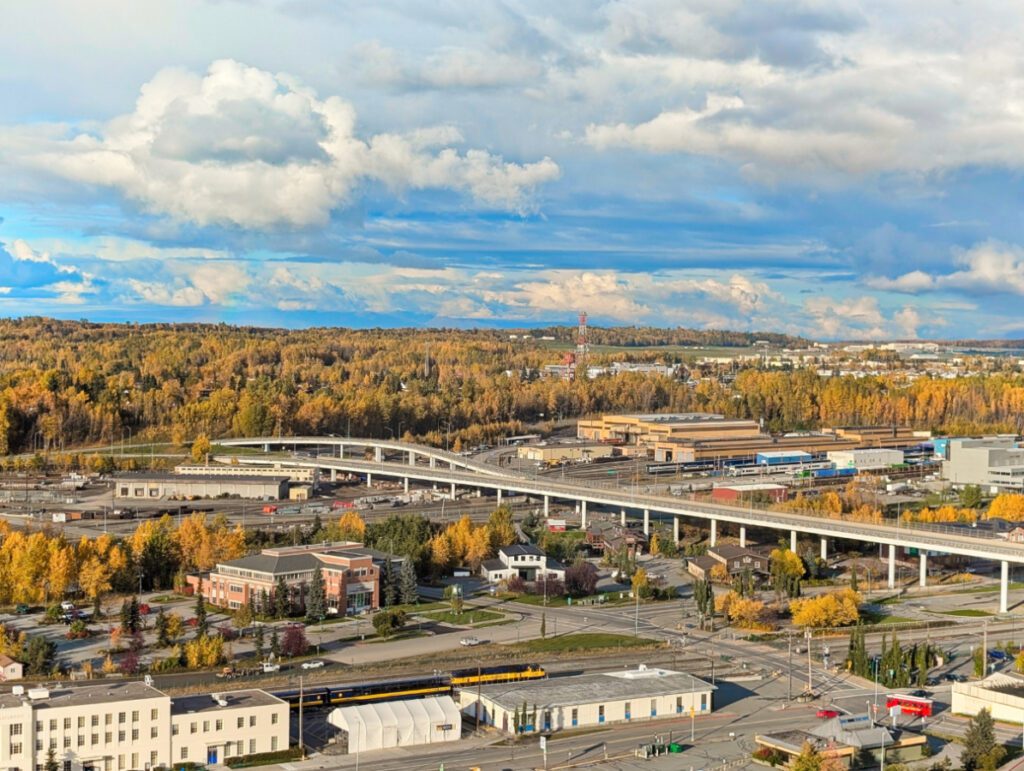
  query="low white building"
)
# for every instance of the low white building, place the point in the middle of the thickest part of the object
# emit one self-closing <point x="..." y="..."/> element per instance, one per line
<point x="1001" y="694"/>
<point x="523" y="560"/>
<point x="866" y="460"/>
<point x="404" y="723"/>
<point x="209" y="728"/>
<point x="645" y="693"/>
<point x="121" y="726"/>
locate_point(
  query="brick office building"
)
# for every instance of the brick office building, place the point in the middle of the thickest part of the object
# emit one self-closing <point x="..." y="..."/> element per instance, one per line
<point x="351" y="575"/>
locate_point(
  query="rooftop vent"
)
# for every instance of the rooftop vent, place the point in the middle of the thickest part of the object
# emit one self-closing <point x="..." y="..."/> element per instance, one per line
<point x="39" y="693"/>
<point x="18" y="690"/>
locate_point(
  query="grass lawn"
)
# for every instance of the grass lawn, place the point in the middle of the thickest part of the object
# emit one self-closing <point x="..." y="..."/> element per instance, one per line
<point x="967" y="612"/>
<point x="466" y="618"/>
<point x="869" y="617"/>
<point x="585" y="642"/>
<point x="419" y="607"/>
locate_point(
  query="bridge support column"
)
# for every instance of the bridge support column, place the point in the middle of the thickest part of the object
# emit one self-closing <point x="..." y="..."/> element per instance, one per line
<point x="922" y="571"/>
<point x="743" y="537"/>
<point x="453" y="491"/>
<point x="622" y="517"/>
<point x="334" y="475"/>
<point x="266" y="447"/>
<point x="714" y="532"/>
<point x="583" y="515"/>
<point x="675" y="530"/>
<point x="369" y="481"/>
<point x="498" y="491"/>
<point x="479" y="492"/>
<point x="341" y="451"/>
<point x="412" y="458"/>
<point x="647" y="522"/>
<point x="792" y="541"/>
<point x="547" y="505"/>
<point x="433" y="462"/>
<point x="406" y="485"/>
<point x="378" y="454"/>
<point x="824" y="548"/>
<point x="1004" y="586"/>
<point x="892" y="566"/>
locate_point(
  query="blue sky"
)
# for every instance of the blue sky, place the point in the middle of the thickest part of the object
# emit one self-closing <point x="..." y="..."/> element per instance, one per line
<point x="839" y="170"/>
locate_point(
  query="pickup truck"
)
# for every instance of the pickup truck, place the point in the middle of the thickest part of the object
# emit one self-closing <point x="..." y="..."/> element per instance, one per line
<point x="269" y="667"/>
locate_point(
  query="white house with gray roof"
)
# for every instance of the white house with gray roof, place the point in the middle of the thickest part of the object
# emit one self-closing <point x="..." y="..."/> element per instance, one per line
<point x="523" y="560"/>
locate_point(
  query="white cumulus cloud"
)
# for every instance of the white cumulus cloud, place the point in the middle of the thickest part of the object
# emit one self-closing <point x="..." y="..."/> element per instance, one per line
<point x="986" y="268"/>
<point x="244" y="147"/>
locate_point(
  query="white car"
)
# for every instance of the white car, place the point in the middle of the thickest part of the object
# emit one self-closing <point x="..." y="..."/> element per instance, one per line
<point x="469" y="641"/>
<point x="268" y="667"/>
<point x="312" y="664"/>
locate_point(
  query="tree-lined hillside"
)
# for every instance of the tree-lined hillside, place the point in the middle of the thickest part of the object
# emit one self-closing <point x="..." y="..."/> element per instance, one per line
<point x="67" y="384"/>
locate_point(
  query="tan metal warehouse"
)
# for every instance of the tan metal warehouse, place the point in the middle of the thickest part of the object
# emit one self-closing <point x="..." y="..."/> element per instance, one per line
<point x="150" y="486"/>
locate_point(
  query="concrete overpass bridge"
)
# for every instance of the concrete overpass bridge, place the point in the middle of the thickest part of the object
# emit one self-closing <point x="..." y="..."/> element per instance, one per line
<point x="337" y="446"/>
<point x="454" y="471"/>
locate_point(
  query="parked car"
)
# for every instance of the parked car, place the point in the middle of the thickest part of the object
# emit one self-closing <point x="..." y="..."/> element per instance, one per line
<point x="269" y="667"/>
<point x="828" y="714"/>
<point x="67" y="607"/>
<point x="469" y="641"/>
<point x="21" y="609"/>
<point x="312" y="664"/>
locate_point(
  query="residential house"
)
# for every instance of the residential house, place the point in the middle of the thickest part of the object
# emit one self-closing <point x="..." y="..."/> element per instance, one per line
<point x="523" y="560"/>
<point x="10" y="669"/>
<point x="608" y="536"/>
<point x="736" y="560"/>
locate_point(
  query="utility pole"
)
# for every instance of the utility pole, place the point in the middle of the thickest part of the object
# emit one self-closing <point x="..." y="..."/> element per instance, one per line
<point x="984" y="648"/>
<point x="789" y="690"/>
<point x="302" y="746"/>
<point x="810" y="681"/>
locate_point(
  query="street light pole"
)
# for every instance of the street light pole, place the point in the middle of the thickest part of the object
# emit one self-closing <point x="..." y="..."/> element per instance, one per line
<point x="789" y="691"/>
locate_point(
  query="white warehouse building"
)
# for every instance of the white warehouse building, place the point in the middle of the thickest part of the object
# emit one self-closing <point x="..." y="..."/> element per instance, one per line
<point x="645" y="693"/>
<point x="403" y="723"/>
<point x="866" y="460"/>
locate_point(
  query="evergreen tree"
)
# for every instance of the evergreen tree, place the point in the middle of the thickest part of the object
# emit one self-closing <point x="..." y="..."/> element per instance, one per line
<point x="854" y="584"/>
<point x="202" y="625"/>
<point x="51" y="760"/>
<point x="980" y="748"/>
<point x="316" y="600"/>
<point x="543" y="625"/>
<point x="134" y="615"/>
<point x="259" y="641"/>
<point x="275" y="644"/>
<point x="389" y="584"/>
<point x="163" y="639"/>
<point x="251" y="602"/>
<point x="125" y="616"/>
<point x="264" y="603"/>
<point x="408" y="590"/>
<point x="282" y="602"/>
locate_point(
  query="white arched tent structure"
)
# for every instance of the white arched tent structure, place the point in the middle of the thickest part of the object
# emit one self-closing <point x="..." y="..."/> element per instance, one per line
<point x="404" y="723"/>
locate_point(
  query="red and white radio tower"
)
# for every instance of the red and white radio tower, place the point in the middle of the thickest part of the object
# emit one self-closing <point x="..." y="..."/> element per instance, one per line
<point x="581" y="341"/>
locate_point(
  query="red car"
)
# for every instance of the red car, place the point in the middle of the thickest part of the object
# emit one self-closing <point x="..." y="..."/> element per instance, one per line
<point x="827" y="714"/>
